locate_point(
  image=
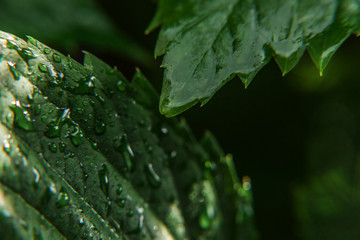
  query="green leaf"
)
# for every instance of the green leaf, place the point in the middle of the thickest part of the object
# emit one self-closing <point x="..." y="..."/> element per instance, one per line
<point x="69" y="25"/>
<point x="85" y="154"/>
<point x="207" y="43"/>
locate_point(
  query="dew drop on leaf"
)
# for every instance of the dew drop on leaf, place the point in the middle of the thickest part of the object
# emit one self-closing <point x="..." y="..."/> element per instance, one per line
<point x="70" y="63"/>
<point x="99" y="127"/>
<point x="85" y="86"/>
<point x="52" y="147"/>
<point x="32" y="41"/>
<point x="37" y="177"/>
<point x="37" y="109"/>
<point x="120" y="85"/>
<point x="22" y="117"/>
<point x="119" y="189"/>
<point x="62" y="146"/>
<point x="56" y="57"/>
<point x="107" y="208"/>
<point x="43" y="68"/>
<point x="80" y="110"/>
<point x="164" y="130"/>
<point x="93" y="145"/>
<point x="152" y="176"/>
<point x="54" y="127"/>
<point x="69" y="155"/>
<point x="121" y="202"/>
<point x="26" y="54"/>
<point x="13" y="70"/>
<point x="136" y="228"/>
<point x="7" y="146"/>
<point x="62" y="199"/>
<point x="81" y="221"/>
<point x="47" y="50"/>
<point x="77" y="136"/>
<point x="130" y="213"/>
<point x="104" y="180"/>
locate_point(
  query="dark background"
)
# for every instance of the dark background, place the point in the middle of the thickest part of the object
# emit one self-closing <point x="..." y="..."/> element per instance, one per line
<point x="297" y="136"/>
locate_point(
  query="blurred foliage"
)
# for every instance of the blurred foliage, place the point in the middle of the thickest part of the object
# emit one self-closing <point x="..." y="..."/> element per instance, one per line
<point x="68" y="24"/>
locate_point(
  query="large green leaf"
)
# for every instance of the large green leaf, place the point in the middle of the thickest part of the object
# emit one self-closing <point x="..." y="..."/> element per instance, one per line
<point x="68" y="24"/>
<point x="207" y="43"/>
<point x="85" y="154"/>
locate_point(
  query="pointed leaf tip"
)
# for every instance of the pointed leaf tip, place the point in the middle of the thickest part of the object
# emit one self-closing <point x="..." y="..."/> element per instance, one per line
<point x="199" y="48"/>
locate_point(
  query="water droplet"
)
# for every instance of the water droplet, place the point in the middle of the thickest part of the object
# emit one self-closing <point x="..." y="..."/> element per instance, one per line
<point x="12" y="45"/>
<point x="81" y="221"/>
<point x="84" y="86"/>
<point x="121" y="202"/>
<point x="93" y="144"/>
<point x="7" y="146"/>
<point x="119" y="189"/>
<point x="69" y="155"/>
<point x="37" y="177"/>
<point x="43" y="68"/>
<point x="164" y="131"/>
<point x="13" y="70"/>
<point x="100" y="98"/>
<point x="104" y="180"/>
<point x="55" y="125"/>
<point x="153" y="177"/>
<point x="122" y="145"/>
<point x="70" y="62"/>
<point x="173" y="154"/>
<point x="107" y="208"/>
<point x="77" y="136"/>
<point x="52" y="147"/>
<point x="99" y="127"/>
<point x="56" y="57"/>
<point x="62" y="199"/>
<point x="62" y="146"/>
<point x="9" y="118"/>
<point x="47" y="50"/>
<point x="37" y="109"/>
<point x="129" y="213"/>
<point x="26" y="54"/>
<point x="80" y="110"/>
<point x="140" y="223"/>
<point x="22" y="117"/>
<point x="121" y="85"/>
<point x="32" y="41"/>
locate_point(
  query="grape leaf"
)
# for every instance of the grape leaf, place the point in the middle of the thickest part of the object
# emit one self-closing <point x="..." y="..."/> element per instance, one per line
<point x="207" y="43"/>
<point x="85" y="154"/>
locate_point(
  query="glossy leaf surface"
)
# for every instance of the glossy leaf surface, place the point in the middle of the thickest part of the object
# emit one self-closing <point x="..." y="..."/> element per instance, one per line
<point x="85" y="155"/>
<point x="207" y="43"/>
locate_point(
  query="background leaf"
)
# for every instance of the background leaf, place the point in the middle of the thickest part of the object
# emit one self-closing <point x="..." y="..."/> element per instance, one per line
<point x="86" y="150"/>
<point x="70" y="24"/>
<point x="207" y="43"/>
